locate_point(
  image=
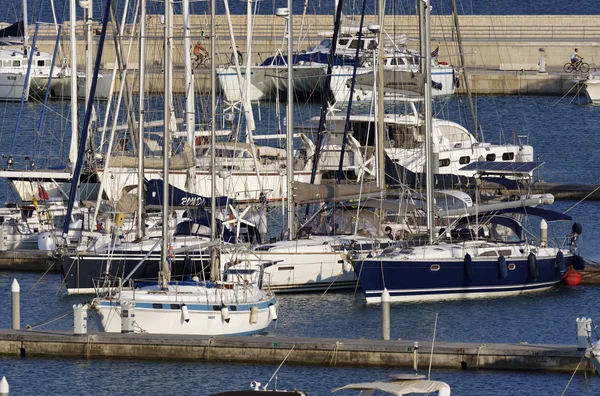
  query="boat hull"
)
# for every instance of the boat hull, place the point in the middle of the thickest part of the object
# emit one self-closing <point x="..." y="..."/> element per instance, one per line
<point x="162" y="317"/>
<point x="417" y="280"/>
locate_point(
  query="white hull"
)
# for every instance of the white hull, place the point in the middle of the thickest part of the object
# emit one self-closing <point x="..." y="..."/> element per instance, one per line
<point x="103" y="92"/>
<point x="11" y="86"/>
<point x="260" y="85"/>
<point x="592" y="89"/>
<point x="340" y="86"/>
<point x="158" y="312"/>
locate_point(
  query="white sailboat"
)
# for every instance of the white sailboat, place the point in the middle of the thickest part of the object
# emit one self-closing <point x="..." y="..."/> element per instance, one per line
<point x="201" y="308"/>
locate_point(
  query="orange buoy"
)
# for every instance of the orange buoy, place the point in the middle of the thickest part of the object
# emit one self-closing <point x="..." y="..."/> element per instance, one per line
<point x="572" y="277"/>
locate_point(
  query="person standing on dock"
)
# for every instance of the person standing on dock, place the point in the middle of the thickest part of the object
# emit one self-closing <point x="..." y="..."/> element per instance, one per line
<point x="575" y="57"/>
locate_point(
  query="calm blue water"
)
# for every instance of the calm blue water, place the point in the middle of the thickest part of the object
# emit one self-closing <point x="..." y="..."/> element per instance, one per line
<point x="40" y="10"/>
<point x="569" y="155"/>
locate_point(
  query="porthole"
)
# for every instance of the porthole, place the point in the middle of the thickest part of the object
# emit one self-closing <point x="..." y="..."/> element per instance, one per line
<point x="464" y="160"/>
<point x="511" y="267"/>
<point x="490" y="157"/>
<point x="508" y="156"/>
<point x="444" y="162"/>
<point x="435" y="267"/>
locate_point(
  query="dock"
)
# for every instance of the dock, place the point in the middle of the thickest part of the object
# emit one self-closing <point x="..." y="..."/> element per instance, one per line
<point x="28" y="260"/>
<point x="306" y="351"/>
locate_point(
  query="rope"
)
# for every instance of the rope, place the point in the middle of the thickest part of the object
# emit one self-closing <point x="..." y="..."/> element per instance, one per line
<point x="42" y="277"/>
<point x="583" y="199"/>
<point x="333" y="360"/>
<point x="573" y="375"/>
<point x="30" y="327"/>
<point x="281" y="364"/>
<point x="478" y="350"/>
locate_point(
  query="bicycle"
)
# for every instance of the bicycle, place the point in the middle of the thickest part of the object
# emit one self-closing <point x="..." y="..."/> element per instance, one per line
<point x="579" y="66"/>
<point x="202" y="61"/>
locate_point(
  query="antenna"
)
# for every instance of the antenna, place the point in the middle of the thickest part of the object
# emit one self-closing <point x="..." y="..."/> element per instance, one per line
<point x="432" y="345"/>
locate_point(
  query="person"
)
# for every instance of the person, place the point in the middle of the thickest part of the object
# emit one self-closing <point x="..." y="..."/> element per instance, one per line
<point x="575" y="57"/>
<point x="200" y="52"/>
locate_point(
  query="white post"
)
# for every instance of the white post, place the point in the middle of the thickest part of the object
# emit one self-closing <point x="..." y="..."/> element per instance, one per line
<point x="4" y="388"/>
<point x="385" y="315"/>
<point x="543" y="233"/>
<point x="16" y="305"/>
<point x="79" y="319"/>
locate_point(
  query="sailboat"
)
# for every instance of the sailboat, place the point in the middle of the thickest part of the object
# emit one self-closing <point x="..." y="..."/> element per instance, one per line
<point x="197" y="307"/>
<point x="482" y="254"/>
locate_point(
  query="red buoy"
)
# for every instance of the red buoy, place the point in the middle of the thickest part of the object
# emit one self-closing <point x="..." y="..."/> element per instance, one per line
<point x="572" y="277"/>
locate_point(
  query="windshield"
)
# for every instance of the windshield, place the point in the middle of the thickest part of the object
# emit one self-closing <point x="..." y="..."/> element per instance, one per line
<point x="344" y="222"/>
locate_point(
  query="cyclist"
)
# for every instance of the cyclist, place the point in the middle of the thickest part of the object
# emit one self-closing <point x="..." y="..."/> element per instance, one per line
<point x="575" y="57"/>
<point x="200" y="52"/>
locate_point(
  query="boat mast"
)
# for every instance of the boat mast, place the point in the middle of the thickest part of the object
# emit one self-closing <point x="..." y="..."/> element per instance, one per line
<point x="214" y="270"/>
<point x="165" y="275"/>
<point x="73" y="149"/>
<point x="25" y="31"/>
<point x="140" y="220"/>
<point x="380" y="109"/>
<point x="290" y="125"/>
<point x="426" y="59"/>
<point x="461" y="57"/>
<point x="190" y="116"/>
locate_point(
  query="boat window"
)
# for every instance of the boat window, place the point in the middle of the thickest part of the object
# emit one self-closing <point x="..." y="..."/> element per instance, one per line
<point x="490" y="157"/>
<point x="325" y="43"/>
<point x="435" y="267"/>
<point x="7" y="63"/>
<point x="175" y="306"/>
<point x="16" y="63"/>
<point x="404" y="136"/>
<point x="508" y="156"/>
<point x="342" y="42"/>
<point x="344" y="222"/>
<point x="364" y="132"/>
<point x="41" y="63"/>
<point x="444" y="162"/>
<point x="464" y="160"/>
<point x="353" y="44"/>
<point x="157" y="306"/>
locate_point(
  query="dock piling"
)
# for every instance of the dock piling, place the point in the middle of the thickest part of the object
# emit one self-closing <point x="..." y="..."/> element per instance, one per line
<point x="15" y="290"/>
<point x="4" y="388"/>
<point x="385" y="315"/>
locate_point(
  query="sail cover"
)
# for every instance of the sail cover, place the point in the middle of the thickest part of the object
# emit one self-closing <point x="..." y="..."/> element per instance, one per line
<point x="178" y="197"/>
<point x="14" y="30"/>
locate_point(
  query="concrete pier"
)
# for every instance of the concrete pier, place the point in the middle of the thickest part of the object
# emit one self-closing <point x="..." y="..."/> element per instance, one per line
<point x="309" y="351"/>
<point x="28" y="260"/>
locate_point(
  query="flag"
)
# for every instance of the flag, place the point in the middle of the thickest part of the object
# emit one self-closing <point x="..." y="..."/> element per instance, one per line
<point x="435" y="52"/>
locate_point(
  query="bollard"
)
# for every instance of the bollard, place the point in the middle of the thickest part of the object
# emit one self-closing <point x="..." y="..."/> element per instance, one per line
<point x="385" y="315"/>
<point x="4" y="388"/>
<point x="80" y="319"/>
<point x="416" y="357"/>
<point x="15" y="290"/>
<point x="584" y="330"/>
<point x="542" y="61"/>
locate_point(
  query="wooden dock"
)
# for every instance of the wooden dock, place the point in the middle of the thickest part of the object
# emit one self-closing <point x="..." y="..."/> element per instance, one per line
<point x="28" y="260"/>
<point x="306" y="351"/>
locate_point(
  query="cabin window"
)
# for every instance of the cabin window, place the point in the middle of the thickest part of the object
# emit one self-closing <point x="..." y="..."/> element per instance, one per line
<point x="435" y="267"/>
<point x="7" y="63"/>
<point x="41" y="63"/>
<point x="490" y="157"/>
<point x="508" y="156"/>
<point x="343" y="42"/>
<point x="233" y="308"/>
<point x="216" y="307"/>
<point x="353" y="44"/>
<point x="444" y="162"/>
<point x="16" y="63"/>
<point x="175" y="306"/>
<point x="157" y="306"/>
<point x="464" y="160"/>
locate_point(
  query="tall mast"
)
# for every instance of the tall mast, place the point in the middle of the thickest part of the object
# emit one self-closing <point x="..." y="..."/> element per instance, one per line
<point x="190" y="118"/>
<point x="25" y="30"/>
<point x="426" y="58"/>
<point x="380" y="106"/>
<point x="89" y="50"/>
<point x="139" y="230"/>
<point x="74" y="106"/>
<point x="166" y="140"/>
<point x="290" y="124"/>
<point x="214" y="275"/>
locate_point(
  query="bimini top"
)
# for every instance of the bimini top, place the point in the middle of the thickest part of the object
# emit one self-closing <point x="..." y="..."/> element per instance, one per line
<point x="400" y="386"/>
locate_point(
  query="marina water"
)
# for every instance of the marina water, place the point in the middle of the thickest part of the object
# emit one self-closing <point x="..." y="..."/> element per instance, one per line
<point x="566" y="138"/>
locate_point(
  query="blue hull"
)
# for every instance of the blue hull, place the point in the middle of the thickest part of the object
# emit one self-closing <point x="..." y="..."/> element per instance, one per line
<point x="414" y="280"/>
